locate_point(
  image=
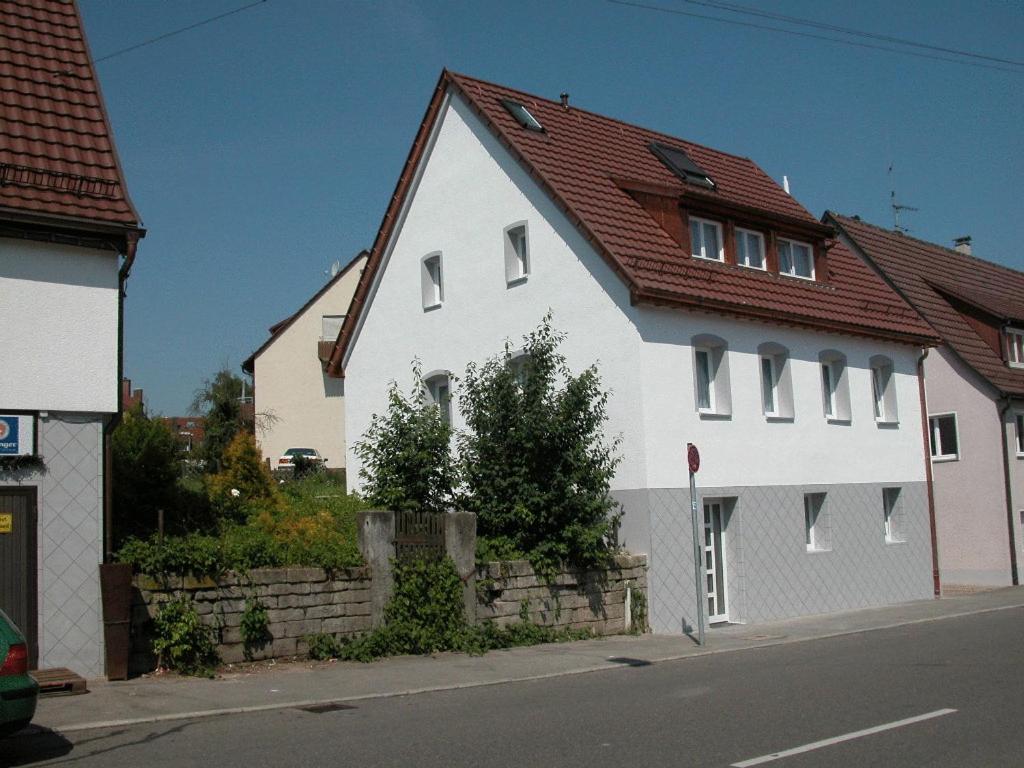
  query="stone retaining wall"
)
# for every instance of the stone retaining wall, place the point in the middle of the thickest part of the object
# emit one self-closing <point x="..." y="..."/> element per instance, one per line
<point x="606" y="602"/>
<point x="299" y="602"/>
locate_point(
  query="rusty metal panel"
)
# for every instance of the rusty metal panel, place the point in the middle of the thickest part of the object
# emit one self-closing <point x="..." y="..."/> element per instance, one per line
<point x="419" y="535"/>
<point x="18" y="572"/>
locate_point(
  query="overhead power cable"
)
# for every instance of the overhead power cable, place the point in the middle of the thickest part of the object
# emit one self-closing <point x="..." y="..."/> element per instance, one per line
<point x="166" y="35"/>
<point x="811" y="35"/>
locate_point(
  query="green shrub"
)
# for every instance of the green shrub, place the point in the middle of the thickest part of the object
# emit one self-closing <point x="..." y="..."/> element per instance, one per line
<point x="323" y="647"/>
<point x="254" y="627"/>
<point x="244" y="482"/>
<point x="181" y="641"/>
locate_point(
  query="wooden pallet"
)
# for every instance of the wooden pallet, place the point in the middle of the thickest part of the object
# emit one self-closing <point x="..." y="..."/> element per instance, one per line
<point x="61" y="681"/>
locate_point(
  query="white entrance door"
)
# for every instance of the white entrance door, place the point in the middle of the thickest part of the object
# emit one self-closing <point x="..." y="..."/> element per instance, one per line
<point x="714" y="562"/>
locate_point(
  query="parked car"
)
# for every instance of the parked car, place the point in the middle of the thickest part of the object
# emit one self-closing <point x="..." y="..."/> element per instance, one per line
<point x="312" y="455"/>
<point x="18" y="691"/>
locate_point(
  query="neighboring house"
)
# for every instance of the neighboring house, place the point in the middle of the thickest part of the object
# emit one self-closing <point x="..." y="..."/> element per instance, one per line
<point x="68" y="235"/>
<point x="720" y="313"/>
<point x="975" y="392"/>
<point x="190" y="431"/>
<point x="297" y="404"/>
<point x="131" y="398"/>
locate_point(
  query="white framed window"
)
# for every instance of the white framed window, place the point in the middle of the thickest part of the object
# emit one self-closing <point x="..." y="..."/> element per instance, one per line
<point x="749" y="248"/>
<point x="711" y="376"/>
<point x="439" y="391"/>
<point x="828" y="388"/>
<point x="330" y="326"/>
<point x="1014" y="347"/>
<point x="817" y="531"/>
<point x="945" y="437"/>
<point x="1020" y="434"/>
<point x="518" y="363"/>
<point x="517" y="253"/>
<point x="776" y="381"/>
<point x="706" y="239"/>
<point x="883" y="390"/>
<point x="796" y="259"/>
<point x="835" y="389"/>
<point x="892" y="511"/>
<point x="432" y="281"/>
<point x="769" y="386"/>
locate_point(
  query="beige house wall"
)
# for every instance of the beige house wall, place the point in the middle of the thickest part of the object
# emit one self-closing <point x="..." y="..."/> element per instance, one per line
<point x="298" y="405"/>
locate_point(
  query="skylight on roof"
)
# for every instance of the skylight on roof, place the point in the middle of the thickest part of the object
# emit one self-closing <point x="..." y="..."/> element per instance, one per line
<point x="522" y="115"/>
<point x="677" y="161"/>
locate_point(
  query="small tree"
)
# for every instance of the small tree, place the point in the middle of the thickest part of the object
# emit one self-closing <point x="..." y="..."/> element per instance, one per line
<point x="220" y="402"/>
<point x="534" y="463"/>
<point x="244" y="480"/>
<point x="405" y="454"/>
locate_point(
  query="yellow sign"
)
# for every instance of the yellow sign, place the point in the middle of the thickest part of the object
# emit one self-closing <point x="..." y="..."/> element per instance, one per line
<point x="6" y="523"/>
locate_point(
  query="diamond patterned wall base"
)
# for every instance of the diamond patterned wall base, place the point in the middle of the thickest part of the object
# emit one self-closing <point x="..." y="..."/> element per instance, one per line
<point x="769" y="572"/>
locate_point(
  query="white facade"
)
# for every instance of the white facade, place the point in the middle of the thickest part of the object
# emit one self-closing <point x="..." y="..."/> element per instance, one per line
<point x="468" y="190"/>
<point x="59" y="332"/>
<point x="298" y="405"/>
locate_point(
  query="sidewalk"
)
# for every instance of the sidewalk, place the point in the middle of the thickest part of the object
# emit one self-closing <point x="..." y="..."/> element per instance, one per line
<point x="302" y="684"/>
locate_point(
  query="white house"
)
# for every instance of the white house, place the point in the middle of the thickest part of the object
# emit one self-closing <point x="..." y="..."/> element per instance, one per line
<point x="68" y="235"/>
<point x="975" y="389"/>
<point x="720" y="313"/>
<point x="297" y="404"/>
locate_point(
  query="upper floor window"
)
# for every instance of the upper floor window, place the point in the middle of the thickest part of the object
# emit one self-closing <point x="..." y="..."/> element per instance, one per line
<point x="431" y="281"/>
<point x="776" y="381"/>
<point x="711" y="376"/>
<point x="1020" y="434"/>
<point x="330" y="326"/>
<point x="706" y="239"/>
<point x="835" y="389"/>
<point x="796" y="259"/>
<point x="517" y="253"/>
<point x="883" y="390"/>
<point x="439" y="392"/>
<point x="749" y="248"/>
<point x="945" y="438"/>
<point x="1015" y="347"/>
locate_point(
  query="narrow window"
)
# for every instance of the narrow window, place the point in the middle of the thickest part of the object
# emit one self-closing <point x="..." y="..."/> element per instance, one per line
<point x="878" y="392"/>
<point x="890" y="509"/>
<point x="769" y="384"/>
<point x="749" y="248"/>
<point x="945" y="441"/>
<point x="816" y="523"/>
<point x="883" y="390"/>
<point x="1020" y="434"/>
<point x="439" y="392"/>
<point x="431" y="281"/>
<point x="796" y="259"/>
<point x="1015" y="348"/>
<point x="705" y="392"/>
<point x="828" y="389"/>
<point x="517" y="254"/>
<point x="706" y="239"/>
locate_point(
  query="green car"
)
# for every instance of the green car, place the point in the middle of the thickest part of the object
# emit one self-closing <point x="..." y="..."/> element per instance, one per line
<point x="18" y="691"/>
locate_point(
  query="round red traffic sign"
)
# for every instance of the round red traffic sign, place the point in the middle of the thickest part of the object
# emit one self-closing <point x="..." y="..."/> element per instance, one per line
<point x="692" y="457"/>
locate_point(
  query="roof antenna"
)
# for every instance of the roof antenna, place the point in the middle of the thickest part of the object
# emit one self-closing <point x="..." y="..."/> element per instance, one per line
<point x="897" y="207"/>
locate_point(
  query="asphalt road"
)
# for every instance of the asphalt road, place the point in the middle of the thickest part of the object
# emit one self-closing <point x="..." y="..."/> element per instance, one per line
<point x="715" y="710"/>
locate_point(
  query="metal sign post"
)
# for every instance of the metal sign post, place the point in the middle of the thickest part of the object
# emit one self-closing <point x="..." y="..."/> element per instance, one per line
<point x="693" y="460"/>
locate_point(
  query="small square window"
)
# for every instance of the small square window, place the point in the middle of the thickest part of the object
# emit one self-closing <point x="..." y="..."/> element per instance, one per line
<point x="1014" y="348"/>
<point x="816" y="525"/>
<point x="431" y="281"/>
<point x="796" y="259"/>
<point x="749" y="249"/>
<point x="945" y="440"/>
<point x="517" y="254"/>
<point x="891" y="511"/>
<point x="706" y="239"/>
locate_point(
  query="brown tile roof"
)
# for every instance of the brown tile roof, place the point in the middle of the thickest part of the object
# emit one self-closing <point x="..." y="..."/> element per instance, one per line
<point x="928" y="275"/>
<point x="57" y="155"/>
<point x="583" y="161"/>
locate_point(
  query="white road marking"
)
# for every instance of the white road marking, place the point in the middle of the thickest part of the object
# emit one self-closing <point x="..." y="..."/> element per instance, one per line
<point x="839" y="739"/>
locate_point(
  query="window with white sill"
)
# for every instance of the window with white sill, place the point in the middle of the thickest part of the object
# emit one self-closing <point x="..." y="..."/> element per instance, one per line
<point x="776" y="381"/>
<point x="892" y="515"/>
<point x="1020" y="434"/>
<point x="944" y="436"/>
<point x="835" y="387"/>
<point x="712" y="393"/>
<point x="817" y="526"/>
<point x="1014" y="347"/>
<point x="439" y="393"/>
<point x="432" y="281"/>
<point x="706" y="239"/>
<point x="796" y="259"/>
<point x="517" y="253"/>
<point x="883" y="390"/>
<point x="749" y="248"/>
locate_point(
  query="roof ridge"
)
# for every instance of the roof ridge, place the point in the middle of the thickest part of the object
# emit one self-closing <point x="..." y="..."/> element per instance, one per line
<point x="949" y="251"/>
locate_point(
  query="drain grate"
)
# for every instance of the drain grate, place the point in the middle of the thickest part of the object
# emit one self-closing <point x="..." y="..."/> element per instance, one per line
<point x="629" y="662"/>
<point x="331" y="706"/>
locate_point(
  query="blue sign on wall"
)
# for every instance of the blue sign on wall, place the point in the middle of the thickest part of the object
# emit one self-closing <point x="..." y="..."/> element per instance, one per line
<point x="9" y="443"/>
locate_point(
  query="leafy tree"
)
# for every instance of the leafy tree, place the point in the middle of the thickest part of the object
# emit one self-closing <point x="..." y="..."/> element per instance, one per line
<point x="220" y="402"/>
<point x="244" y="482"/>
<point x="405" y="454"/>
<point x="146" y="468"/>
<point x="534" y="464"/>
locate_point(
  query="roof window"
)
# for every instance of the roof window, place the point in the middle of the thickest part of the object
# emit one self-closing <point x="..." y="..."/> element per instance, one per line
<point x="522" y="115"/>
<point x="677" y="161"/>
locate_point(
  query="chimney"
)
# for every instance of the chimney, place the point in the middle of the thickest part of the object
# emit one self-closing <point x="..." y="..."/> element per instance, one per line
<point x="962" y="244"/>
<point x="565" y="100"/>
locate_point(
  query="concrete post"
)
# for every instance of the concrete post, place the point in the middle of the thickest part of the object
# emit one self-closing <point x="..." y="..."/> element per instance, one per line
<point x="376" y="530"/>
<point x="460" y="545"/>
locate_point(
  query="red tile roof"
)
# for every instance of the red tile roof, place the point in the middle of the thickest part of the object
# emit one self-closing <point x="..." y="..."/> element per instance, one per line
<point x="57" y="155"/>
<point x="928" y="275"/>
<point x="583" y="160"/>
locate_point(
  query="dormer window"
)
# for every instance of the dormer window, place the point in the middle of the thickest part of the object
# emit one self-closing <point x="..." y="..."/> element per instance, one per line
<point x="1015" y="347"/>
<point x="749" y="248"/>
<point x="706" y="239"/>
<point x="796" y="259"/>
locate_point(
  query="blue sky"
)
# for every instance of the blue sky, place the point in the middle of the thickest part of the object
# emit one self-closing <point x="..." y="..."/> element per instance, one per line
<point x="262" y="147"/>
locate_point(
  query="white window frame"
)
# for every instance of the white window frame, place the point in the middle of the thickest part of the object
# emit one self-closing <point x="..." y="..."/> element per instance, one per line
<point x="1019" y="422"/>
<point x="741" y="235"/>
<point x="933" y="436"/>
<point x="1012" y="358"/>
<point x="517" y="263"/>
<point x="710" y="358"/>
<point x="434" y="383"/>
<point x="792" y="271"/>
<point x="829" y="389"/>
<point x="702" y="250"/>
<point x="769" y="389"/>
<point x="883" y="390"/>
<point x="431" y="284"/>
<point x="815" y="519"/>
<point x="891" y="501"/>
